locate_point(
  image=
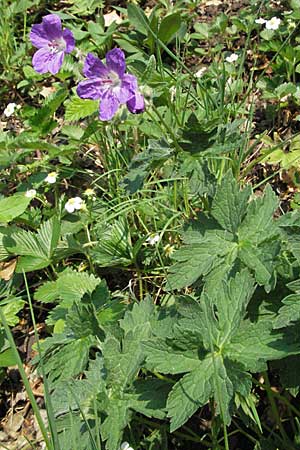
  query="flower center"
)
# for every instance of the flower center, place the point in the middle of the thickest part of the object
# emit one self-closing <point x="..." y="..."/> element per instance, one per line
<point x="57" y="45"/>
<point x="112" y="79"/>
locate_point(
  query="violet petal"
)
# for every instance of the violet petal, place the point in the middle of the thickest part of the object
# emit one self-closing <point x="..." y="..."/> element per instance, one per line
<point x="40" y="60"/>
<point x="55" y="62"/>
<point x="108" y="106"/>
<point x="136" y="104"/>
<point x="69" y="39"/>
<point x="130" y="82"/>
<point x="115" y="60"/>
<point x="94" y="67"/>
<point x="52" y="26"/>
<point x="38" y="36"/>
<point x="122" y="93"/>
<point x="92" y="89"/>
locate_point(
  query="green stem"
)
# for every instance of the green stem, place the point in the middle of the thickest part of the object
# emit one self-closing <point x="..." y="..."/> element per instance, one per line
<point x="50" y="411"/>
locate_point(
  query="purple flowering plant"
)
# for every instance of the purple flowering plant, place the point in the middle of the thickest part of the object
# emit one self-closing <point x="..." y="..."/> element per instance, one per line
<point x="52" y="42"/>
<point x="110" y="84"/>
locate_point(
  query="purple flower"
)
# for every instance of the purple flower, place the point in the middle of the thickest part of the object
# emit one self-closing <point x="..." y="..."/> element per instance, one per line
<point x="110" y="84"/>
<point x="52" y="43"/>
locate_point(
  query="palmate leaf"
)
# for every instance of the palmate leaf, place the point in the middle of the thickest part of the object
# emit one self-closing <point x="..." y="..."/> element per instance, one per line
<point x="255" y="343"/>
<point x="213" y="345"/>
<point x="240" y="234"/>
<point x="122" y="363"/>
<point x="65" y="357"/>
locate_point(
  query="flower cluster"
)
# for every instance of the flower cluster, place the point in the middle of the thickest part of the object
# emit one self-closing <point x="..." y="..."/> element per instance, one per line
<point x="108" y="82"/>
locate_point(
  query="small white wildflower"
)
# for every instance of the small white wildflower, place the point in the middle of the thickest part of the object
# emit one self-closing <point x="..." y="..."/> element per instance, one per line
<point x="10" y="109"/>
<point x="153" y="239"/>
<point x="30" y="193"/>
<point x="200" y="72"/>
<point x="260" y="21"/>
<point x="232" y="58"/>
<point x="273" y="24"/>
<point x="51" y="177"/>
<point x="125" y="446"/>
<point x="73" y="204"/>
<point x="169" y="249"/>
<point x="89" y="192"/>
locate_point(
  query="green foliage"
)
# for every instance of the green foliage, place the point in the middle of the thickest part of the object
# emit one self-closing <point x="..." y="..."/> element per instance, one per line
<point x="78" y="108"/>
<point x="36" y="250"/>
<point x="137" y="361"/>
<point x="238" y="233"/>
<point x="215" y="346"/>
<point x="12" y="207"/>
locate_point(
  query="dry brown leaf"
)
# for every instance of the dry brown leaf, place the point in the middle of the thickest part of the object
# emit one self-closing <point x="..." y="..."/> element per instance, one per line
<point x="7" y="269"/>
<point x="110" y="18"/>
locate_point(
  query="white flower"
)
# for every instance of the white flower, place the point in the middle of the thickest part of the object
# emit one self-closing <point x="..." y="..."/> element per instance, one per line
<point x="232" y="58"/>
<point x="89" y="192"/>
<point x="30" y="193"/>
<point x="153" y="239"/>
<point x="260" y="21"/>
<point x="10" y="109"/>
<point x="200" y="72"/>
<point x="51" y="177"/>
<point x="273" y="24"/>
<point x="74" y="203"/>
<point x="125" y="446"/>
<point x="169" y="249"/>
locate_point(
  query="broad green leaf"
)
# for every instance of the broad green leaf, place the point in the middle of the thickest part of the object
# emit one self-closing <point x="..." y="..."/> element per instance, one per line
<point x="13" y="206"/>
<point x="189" y="393"/>
<point x="69" y="287"/>
<point x="48" y="236"/>
<point x="168" y="28"/>
<point x="162" y="357"/>
<point x="254" y="344"/>
<point x="289" y="312"/>
<point x="149" y="397"/>
<point x="229" y="203"/>
<point x="157" y="152"/>
<point x="78" y="108"/>
<point x="82" y="321"/>
<point x="199" y="258"/>
<point x="253" y="258"/>
<point x="258" y="224"/>
<point x="114" y="246"/>
<point x="7" y="358"/>
<point x="64" y="358"/>
<point x="11" y="307"/>
<point x="36" y="249"/>
<point x="212" y="253"/>
<point x="85" y="390"/>
<point x="138" y="18"/>
<point x="232" y="302"/>
<point x="118" y="416"/>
